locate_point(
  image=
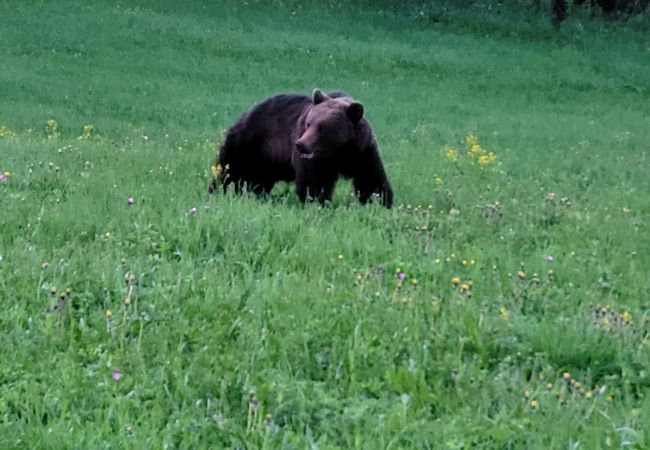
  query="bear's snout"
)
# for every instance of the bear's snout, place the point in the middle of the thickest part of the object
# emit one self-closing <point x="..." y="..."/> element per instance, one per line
<point x="303" y="151"/>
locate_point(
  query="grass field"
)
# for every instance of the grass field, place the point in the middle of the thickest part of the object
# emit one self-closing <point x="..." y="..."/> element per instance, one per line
<point x="503" y="303"/>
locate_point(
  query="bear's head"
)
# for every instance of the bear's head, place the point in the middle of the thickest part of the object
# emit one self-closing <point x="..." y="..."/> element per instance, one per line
<point x="330" y="126"/>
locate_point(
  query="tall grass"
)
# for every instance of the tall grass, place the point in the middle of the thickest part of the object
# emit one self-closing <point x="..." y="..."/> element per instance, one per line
<point x="501" y="304"/>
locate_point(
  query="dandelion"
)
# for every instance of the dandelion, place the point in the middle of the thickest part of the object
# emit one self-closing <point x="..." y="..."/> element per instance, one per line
<point x="130" y="200"/>
<point x="340" y="257"/>
<point x="534" y="404"/>
<point x="216" y="170"/>
<point x="86" y="132"/>
<point x="109" y="313"/>
<point x="117" y="375"/>
<point x="566" y="376"/>
<point x="451" y="154"/>
<point x="437" y="181"/>
<point x="484" y="160"/>
<point x="475" y="149"/>
<point x="455" y="281"/>
<point x="436" y="261"/>
<point x="471" y="139"/>
<point x="6" y="132"/>
<point x="503" y="313"/>
<point x="414" y="281"/>
<point x="626" y="316"/>
<point x="521" y="274"/>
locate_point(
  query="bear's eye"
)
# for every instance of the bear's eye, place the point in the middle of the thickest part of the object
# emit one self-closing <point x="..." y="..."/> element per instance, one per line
<point x="308" y="124"/>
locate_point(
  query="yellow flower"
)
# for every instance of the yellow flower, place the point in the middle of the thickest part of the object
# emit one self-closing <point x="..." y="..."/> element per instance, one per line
<point x="436" y="261"/>
<point x="340" y="257"/>
<point x="87" y="131"/>
<point x="475" y="149"/>
<point x="216" y="169"/>
<point x="414" y="281"/>
<point x="626" y="316"/>
<point x="465" y="287"/>
<point x="455" y="281"/>
<point x="503" y="312"/>
<point x="534" y="404"/>
<point x="566" y="376"/>
<point x="51" y="123"/>
<point x="7" y="174"/>
<point x="521" y="274"/>
<point x="451" y="154"/>
<point x="109" y="313"/>
<point x="6" y="132"/>
<point x="437" y="181"/>
<point x="486" y="159"/>
<point x="471" y="139"/>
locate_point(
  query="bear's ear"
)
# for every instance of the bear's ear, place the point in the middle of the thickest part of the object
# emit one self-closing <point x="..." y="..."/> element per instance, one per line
<point x="355" y="111"/>
<point x="319" y="97"/>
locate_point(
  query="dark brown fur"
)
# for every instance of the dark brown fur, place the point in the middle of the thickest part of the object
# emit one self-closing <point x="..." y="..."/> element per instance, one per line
<point x="312" y="140"/>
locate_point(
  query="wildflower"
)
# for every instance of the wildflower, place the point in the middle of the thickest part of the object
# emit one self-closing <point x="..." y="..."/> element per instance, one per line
<point x="475" y="149"/>
<point x="6" y="132"/>
<point x="526" y="393"/>
<point x="216" y="169"/>
<point x="484" y="160"/>
<point x="550" y="258"/>
<point x="87" y="131"/>
<point x="117" y="375"/>
<point x="51" y="123"/>
<point x="503" y="313"/>
<point x="521" y="274"/>
<point x="130" y="200"/>
<point x="465" y="287"/>
<point x="455" y="281"/>
<point x="566" y="376"/>
<point x="401" y="275"/>
<point x="109" y="313"/>
<point x="127" y="300"/>
<point x="534" y="404"/>
<point x="193" y="210"/>
<point x="414" y="281"/>
<point x="451" y="154"/>
<point x="550" y="197"/>
<point x="465" y="262"/>
<point x="45" y="265"/>
<point x="437" y="181"/>
<point x="626" y="316"/>
<point x="471" y="139"/>
<point x="53" y="290"/>
<point x="3" y="178"/>
<point x="588" y="394"/>
<point x="436" y="261"/>
<point x="340" y="257"/>
<point x="107" y="234"/>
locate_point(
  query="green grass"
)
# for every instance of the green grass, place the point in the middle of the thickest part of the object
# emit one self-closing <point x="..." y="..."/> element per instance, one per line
<point x="265" y="324"/>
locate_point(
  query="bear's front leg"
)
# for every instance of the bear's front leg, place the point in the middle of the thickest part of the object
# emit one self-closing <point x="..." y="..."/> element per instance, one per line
<point x="370" y="178"/>
<point x="314" y="184"/>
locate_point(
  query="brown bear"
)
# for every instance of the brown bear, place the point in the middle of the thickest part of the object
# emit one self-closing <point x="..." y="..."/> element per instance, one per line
<point x="312" y="140"/>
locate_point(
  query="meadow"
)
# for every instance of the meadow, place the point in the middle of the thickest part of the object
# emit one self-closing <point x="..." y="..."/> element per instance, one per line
<point x="502" y="303"/>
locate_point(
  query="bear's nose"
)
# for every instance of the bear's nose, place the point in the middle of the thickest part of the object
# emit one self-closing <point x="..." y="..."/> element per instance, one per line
<point x="301" y="147"/>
